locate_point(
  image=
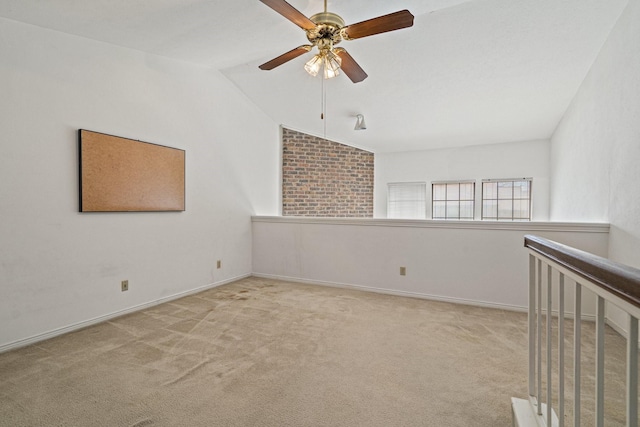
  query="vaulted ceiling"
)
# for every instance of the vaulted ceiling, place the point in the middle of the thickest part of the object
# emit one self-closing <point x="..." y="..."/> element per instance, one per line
<point x="468" y="72"/>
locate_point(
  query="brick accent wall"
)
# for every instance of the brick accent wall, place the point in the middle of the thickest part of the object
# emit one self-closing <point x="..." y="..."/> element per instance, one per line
<point x="325" y="178"/>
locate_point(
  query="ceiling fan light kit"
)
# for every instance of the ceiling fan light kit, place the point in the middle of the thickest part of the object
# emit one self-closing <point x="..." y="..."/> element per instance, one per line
<point x="325" y="30"/>
<point x="326" y="60"/>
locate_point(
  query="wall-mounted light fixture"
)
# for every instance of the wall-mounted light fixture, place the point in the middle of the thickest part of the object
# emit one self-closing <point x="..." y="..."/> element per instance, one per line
<point x="360" y="124"/>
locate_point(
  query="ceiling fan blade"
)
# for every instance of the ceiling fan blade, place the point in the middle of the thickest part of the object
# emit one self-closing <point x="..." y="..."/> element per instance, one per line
<point x="350" y="66"/>
<point x="285" y="57"/>
<point x="291" y="13"/>
<point x="381" y="24"/>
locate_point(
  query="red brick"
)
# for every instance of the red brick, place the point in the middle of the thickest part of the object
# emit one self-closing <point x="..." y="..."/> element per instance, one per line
<point x="325" y="178"/>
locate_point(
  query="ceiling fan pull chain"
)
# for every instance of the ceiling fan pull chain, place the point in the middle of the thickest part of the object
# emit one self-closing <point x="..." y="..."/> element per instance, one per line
<point x="323" y="115"/>
<point x="322" y="99"/>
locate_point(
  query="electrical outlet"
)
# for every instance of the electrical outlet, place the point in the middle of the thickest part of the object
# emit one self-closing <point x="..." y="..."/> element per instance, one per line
<point x="219" y="264"/>
<point x="403" y="271"/>
<point x="124" y="285"/>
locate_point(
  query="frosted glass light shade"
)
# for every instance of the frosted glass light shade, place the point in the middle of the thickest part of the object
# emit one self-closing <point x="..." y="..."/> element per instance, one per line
<point x="328" y="61"/>
<point x="313" y="66"/>
<point x="332" y="64"/>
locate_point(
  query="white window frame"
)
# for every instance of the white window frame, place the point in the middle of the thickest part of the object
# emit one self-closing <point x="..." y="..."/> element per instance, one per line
<point x="513" y="199"/>
<point x="447" y="202"/>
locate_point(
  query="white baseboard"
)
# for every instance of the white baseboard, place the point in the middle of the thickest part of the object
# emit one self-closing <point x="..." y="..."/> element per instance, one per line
<point x="66" y="329"/>
<point x="619" y="328"/>
<point x="396" y="292"/>
<point x="74" y="327"/>
<point x="476" y="303"/>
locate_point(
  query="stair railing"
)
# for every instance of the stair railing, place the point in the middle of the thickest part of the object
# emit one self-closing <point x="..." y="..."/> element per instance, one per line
<point x="613" y="283"/>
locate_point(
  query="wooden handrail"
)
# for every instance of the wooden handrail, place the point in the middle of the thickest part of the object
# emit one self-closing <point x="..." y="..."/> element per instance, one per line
<point x="618" y="279"/>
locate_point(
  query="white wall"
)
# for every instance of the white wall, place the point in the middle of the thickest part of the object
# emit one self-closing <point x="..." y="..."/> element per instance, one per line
<point x="60" y="268"/>
<point x="596" y="149"/>
<point x="473" y="262"/>
<point x="528" y="159"/>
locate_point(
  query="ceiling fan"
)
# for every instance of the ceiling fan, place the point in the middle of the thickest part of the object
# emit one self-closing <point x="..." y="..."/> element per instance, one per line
<point x="324" y="31"/>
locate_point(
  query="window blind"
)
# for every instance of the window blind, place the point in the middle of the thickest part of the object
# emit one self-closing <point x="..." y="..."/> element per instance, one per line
<point x="407" y="200"/>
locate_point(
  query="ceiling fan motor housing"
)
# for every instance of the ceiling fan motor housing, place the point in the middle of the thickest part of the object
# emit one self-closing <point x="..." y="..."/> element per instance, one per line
<point x="327" y="30"/>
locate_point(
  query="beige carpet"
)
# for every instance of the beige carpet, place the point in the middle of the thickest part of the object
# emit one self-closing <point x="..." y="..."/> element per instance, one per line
<point x="268" y="353"/>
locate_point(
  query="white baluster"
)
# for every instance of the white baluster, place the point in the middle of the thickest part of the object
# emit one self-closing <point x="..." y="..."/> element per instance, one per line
<point x="561" y="350"/>
<point x="539" y="339"/>
<point x="532" y="324"/>
<point x="549" y="344"/>
<point x="600" y="362"/>
<point x="577" y="343"/>
<point x="632" y="373"/>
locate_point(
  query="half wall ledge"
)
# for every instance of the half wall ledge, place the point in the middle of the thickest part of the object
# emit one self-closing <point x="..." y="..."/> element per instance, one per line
<point x="582" y="227"/>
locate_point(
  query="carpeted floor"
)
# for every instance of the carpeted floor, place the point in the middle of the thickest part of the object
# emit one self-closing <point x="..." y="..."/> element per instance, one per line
<point x="261" y="352"/>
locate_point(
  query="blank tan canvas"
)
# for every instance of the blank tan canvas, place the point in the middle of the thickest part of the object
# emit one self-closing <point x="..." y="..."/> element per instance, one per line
<point x="120" y="174"/>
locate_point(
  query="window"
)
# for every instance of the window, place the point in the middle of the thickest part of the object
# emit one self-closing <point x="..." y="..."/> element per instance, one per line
<point x="506" y="199"/>
<point x="407" y="200"/>
<point x="453" y="200"/>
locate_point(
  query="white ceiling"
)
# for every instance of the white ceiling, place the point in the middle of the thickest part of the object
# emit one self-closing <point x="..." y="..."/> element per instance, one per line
<point x="468" y="72"/>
